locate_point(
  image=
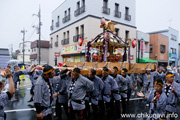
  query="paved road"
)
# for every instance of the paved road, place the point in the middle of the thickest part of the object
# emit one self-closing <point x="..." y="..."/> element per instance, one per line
<point x="22" y="110"/>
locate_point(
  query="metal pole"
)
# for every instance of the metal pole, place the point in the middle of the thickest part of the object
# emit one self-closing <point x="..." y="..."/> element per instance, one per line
<point x="23" y="31"/>
<point x="39" y="15"/>
<point x="23" y="45"/>
<point x="138" y="49"/>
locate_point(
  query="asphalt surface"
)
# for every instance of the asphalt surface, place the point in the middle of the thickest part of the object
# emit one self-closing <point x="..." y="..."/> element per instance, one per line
<point x="22" y="110"/>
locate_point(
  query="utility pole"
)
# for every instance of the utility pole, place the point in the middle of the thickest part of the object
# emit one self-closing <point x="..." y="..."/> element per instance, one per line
<point x="39" y="15"/>
<point x="23" y="31"/>
<point x="39" y="32"/>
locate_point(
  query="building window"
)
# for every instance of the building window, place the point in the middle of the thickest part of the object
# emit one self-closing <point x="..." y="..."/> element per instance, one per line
<point x="78" y="5"/>
<point x="66" y="17"/>
<point x="105" y="3"/>
<point x="151" y="48"/>
<point x="83" y="2"/>
<point x="127" y="10"/>
<point x="105" y="8"/>
<point x="52" y="22"/>
<point x="56" y="43"/>
<point x="173" y="37"/>
<point x="82" y="29"/>
<point x="57" y="23"/>
<point x="67" y="34"/>
<point x="116" y="7"/>
<point x="116" y="31"/>
<point x="77" y="31"/>
<point x="127" y="16"/>
<point x="79" y="9"/>
<point x="51" y="43"/>
<point x="64" y="35"/>
<point x="116" y="12"/>
<point x="69" y="11"/>
<point x="173" y="50"/>
<point x="162" y="48"/>
<point x="57" y="37"/>
<point x="65" y="13"/>
<point x="82" y="32"/>
<point x="126" y="34"/>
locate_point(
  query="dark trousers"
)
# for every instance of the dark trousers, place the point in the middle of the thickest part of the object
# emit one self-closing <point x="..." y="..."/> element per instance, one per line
<point x="129" y="94"/>
<point x="58" y="109"/>
<point x="115" y="108"/>
<point x="94" y="115"/>
<point x="123" y="105"/>
<point x="47" y="117"/>
<point x="73" y="113"/>
<point x="32" y="90"/>
<point x="108" y="111"/>
<point x="101" y="110"/>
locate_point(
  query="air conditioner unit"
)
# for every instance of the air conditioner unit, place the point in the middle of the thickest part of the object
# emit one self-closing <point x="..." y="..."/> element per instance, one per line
<point x="155" y="55"/>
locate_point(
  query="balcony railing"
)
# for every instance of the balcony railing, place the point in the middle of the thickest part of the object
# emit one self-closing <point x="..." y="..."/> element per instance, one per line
<point x="117" y="14"/>
<point x="66" y="18"/>
<point x="50" y="45"/>
<point x="105" y="10"/>
<point x="127" y="17"/>
<point x="79" y="11"/>
<point x="57" y="24"/>
<point x="65" y="41"/>
<point x="62" y="42"/>
<point x="76" y="38"/>
<point x="51" y="27"/>
<point x="56" y="44"/>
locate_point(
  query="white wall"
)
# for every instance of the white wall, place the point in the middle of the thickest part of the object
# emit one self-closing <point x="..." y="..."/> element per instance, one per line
<point x="94" y="7"/>
<point x="27" y="48"/>
<point x="145" y="37"/>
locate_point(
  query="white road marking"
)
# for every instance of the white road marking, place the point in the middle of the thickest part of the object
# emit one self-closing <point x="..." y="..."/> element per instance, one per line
<point x="18" y="110"/>
<point x="28" y="88"/>
<point x="33" y="109"/>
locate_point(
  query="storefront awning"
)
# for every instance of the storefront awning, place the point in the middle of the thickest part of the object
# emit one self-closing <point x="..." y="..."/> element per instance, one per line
<point x="74" y="54"/>
<point x="147" y="60"/>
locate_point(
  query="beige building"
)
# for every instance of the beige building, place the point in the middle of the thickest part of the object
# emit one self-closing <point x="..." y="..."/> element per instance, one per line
<point x="44" y="51"/>
<point x="86" y="24"/>
<point x="27" y="52"/>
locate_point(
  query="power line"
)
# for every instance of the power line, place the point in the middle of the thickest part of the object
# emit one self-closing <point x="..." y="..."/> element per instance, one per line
<point x="31" y="34"/>
<point x="33" y="22"/>
<point x="43" y="37"/>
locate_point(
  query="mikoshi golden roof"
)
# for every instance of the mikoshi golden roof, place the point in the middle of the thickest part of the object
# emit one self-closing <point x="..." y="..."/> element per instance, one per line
<point x="113" y="41"/>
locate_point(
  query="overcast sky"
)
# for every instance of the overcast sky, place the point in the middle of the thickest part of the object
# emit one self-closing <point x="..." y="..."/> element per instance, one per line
<point x="151" y="15"/>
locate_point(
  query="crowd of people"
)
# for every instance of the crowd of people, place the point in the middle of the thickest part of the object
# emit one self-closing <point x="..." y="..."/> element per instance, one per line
<point x="94" y="97"/>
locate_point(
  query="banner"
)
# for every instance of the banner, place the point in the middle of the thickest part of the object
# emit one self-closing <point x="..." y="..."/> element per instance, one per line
<point x="71" y="49"/>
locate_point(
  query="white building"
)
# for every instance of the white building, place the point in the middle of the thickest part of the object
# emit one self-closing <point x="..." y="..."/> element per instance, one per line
<point x="143" y="41"/>
<point x="27" y="52"/>
<point x="81" y="18"/>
